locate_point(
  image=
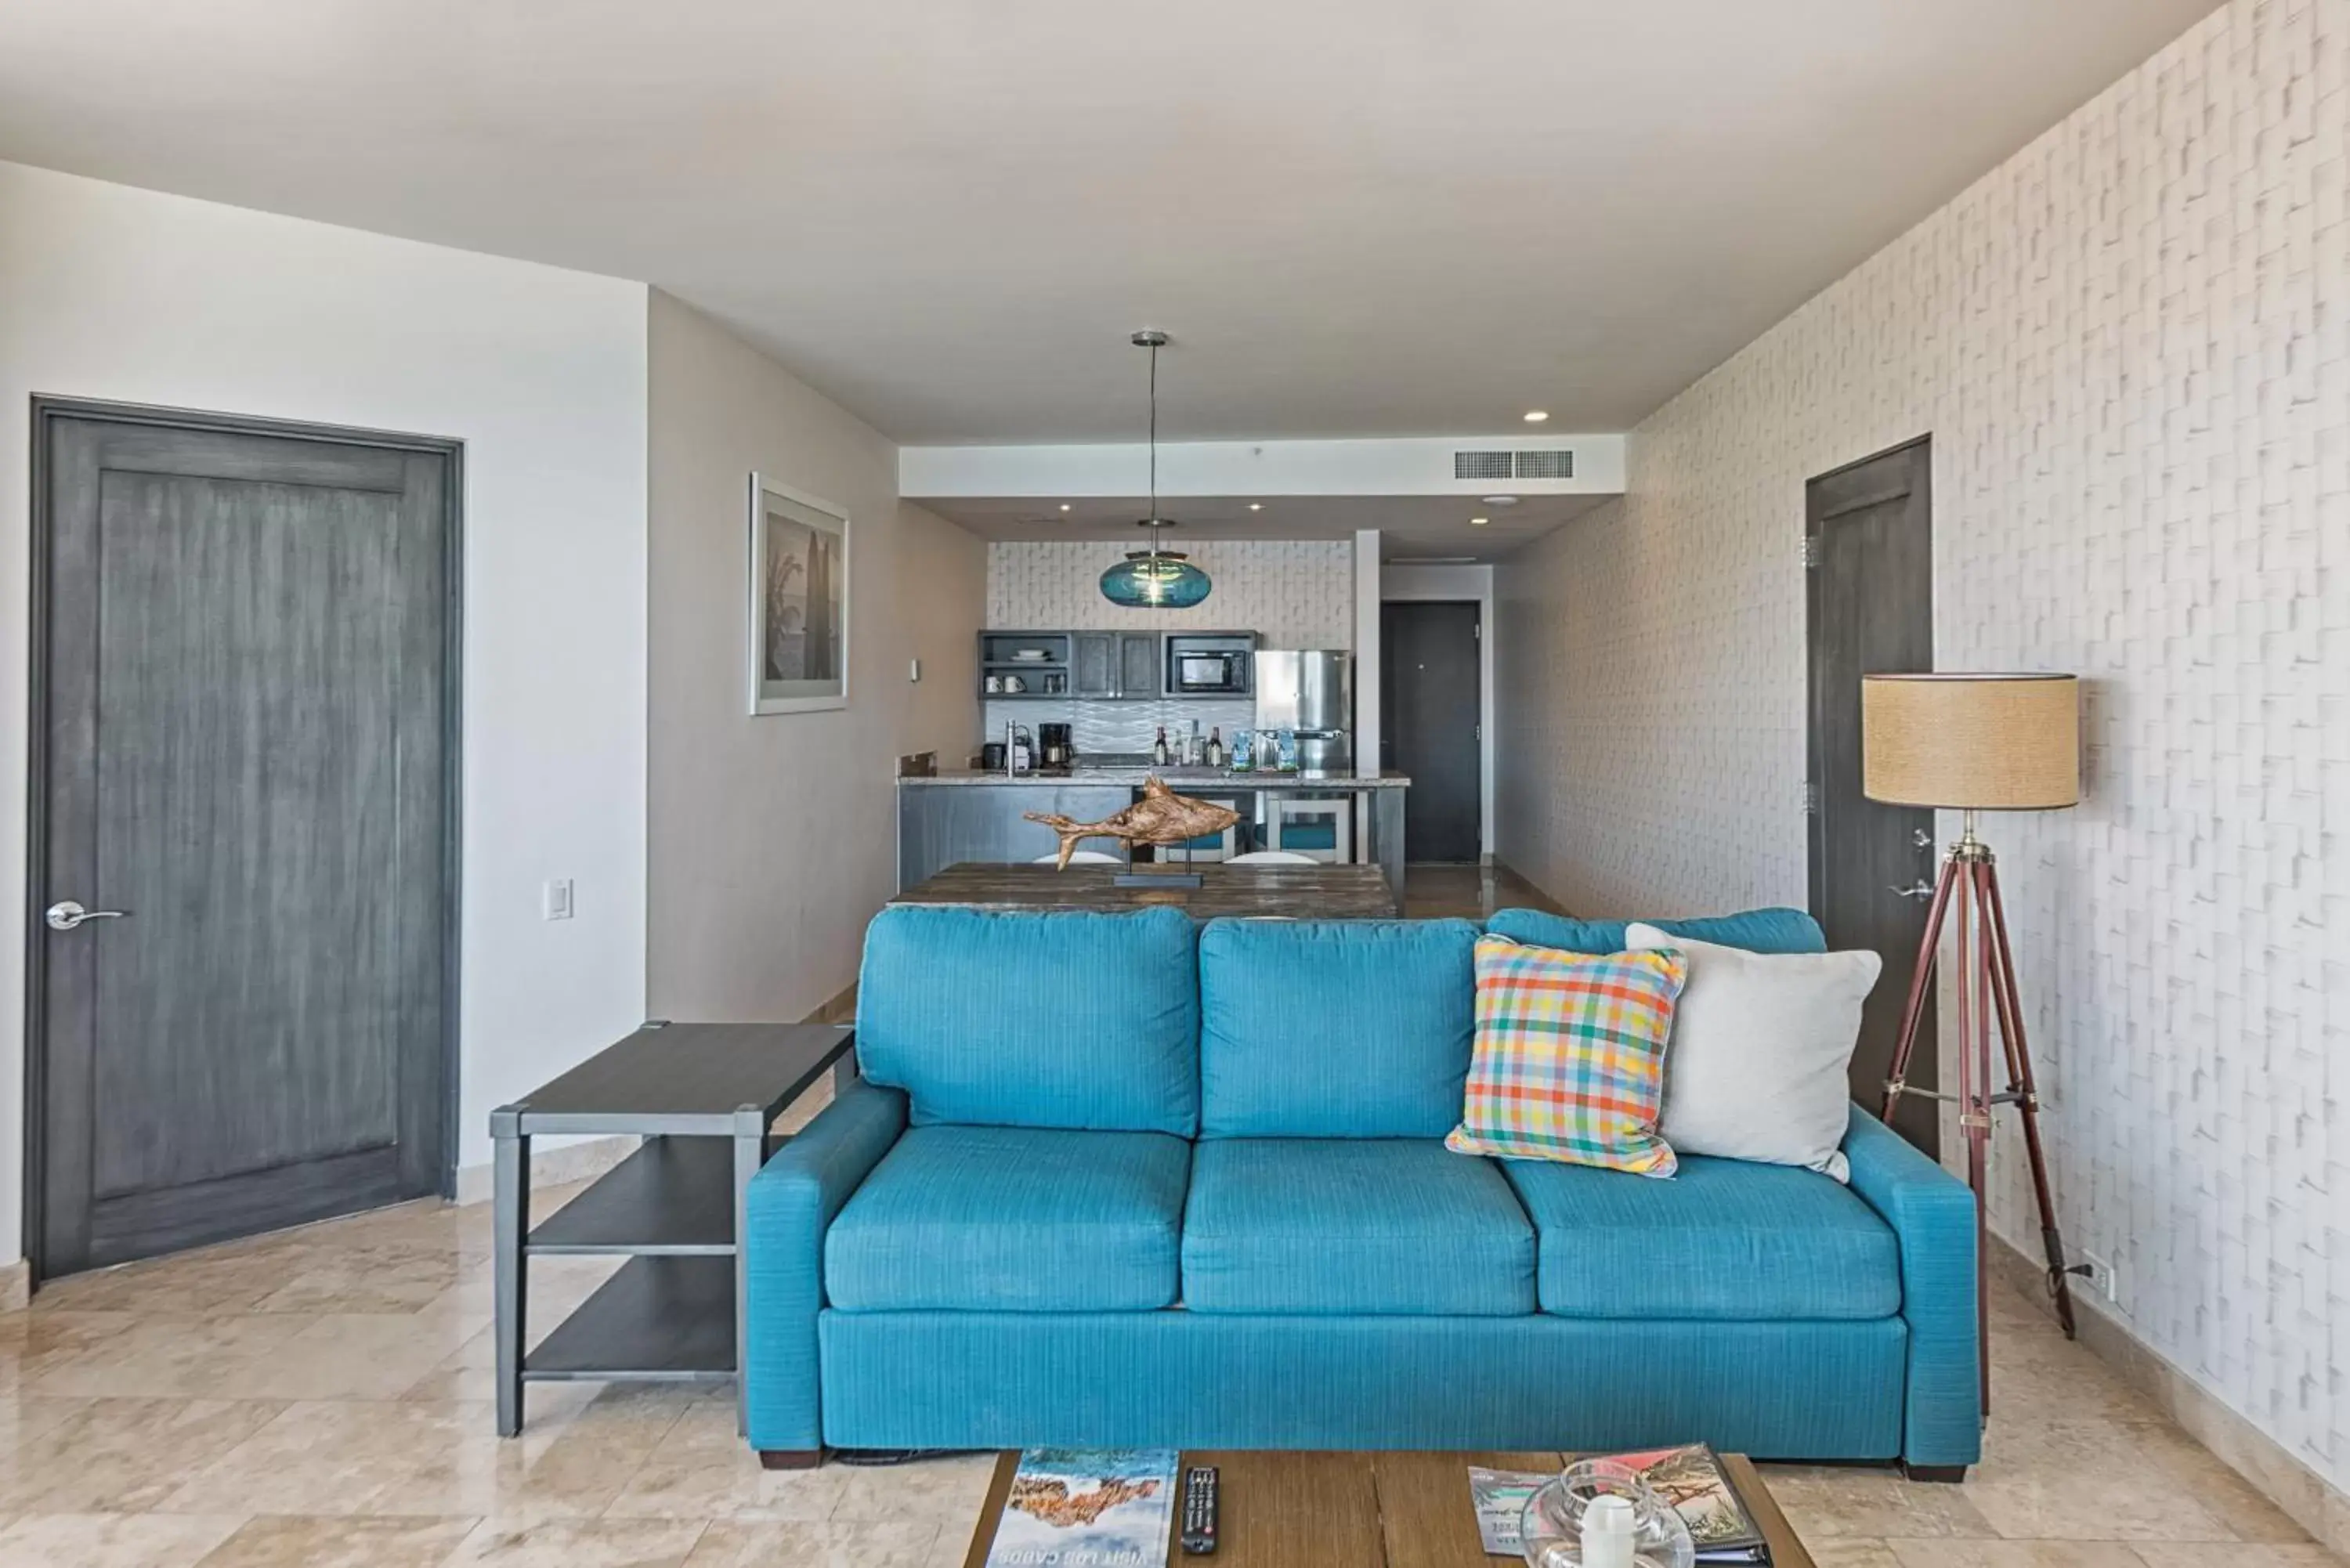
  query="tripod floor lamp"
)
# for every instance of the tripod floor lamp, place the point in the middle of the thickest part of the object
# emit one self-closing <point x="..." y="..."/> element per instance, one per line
<point x="1972" y="743"/>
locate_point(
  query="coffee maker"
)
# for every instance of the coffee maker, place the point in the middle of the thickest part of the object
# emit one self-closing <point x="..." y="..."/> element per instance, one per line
<point x="1055" y="748"/>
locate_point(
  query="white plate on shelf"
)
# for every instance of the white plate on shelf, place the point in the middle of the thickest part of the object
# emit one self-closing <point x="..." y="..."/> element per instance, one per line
<point x="1030" y="655"/>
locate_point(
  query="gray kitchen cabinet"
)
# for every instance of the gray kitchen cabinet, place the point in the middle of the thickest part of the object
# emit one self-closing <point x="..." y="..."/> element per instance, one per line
<point x="1097" y="663"/>
<point x="1137" y="664"/>
<point x="1103" y="666"/>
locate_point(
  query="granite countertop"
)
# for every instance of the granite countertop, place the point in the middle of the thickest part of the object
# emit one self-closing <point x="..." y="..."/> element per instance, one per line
<point x="1181" y="778"/>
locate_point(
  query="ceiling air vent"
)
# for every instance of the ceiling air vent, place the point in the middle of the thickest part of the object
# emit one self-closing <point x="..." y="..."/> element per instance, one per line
<point x="1544" y="465"/>
<point x="1481" y="466"/>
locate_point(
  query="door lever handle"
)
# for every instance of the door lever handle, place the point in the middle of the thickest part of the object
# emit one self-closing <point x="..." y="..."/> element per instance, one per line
<point x="1921" y="890"/>
<point x="64" y="916"/>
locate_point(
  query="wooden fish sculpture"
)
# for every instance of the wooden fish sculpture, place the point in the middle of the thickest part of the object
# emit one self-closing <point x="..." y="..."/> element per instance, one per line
<point x="1160" y="816"/>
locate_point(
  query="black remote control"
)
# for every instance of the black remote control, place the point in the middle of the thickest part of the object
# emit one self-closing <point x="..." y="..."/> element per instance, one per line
<point x="1200" y="1510"/>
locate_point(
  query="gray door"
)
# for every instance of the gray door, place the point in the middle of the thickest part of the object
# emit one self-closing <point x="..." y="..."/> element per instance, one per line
<point x="243" y="663"/>
<point x="1871" y="558"/>
<point x="1428" y="725"/>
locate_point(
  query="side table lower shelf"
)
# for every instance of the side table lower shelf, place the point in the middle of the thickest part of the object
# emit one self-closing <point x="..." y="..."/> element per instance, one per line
<point x="660" y="1318"/>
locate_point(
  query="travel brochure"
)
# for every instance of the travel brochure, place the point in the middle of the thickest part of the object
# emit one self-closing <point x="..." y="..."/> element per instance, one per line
<point x="1691" y="1479"/>
<point x="1089" y="1507"/>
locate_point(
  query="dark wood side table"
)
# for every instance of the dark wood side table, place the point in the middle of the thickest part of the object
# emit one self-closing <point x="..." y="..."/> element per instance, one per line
<point x="702" y="1096"/>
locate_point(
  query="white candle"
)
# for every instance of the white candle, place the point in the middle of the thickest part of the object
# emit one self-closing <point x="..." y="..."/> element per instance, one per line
<point x="1608" y="1530"/>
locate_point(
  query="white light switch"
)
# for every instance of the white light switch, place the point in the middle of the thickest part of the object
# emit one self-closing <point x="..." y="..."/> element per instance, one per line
<point x="913" y="670"/>
<point x="556" y="900"/>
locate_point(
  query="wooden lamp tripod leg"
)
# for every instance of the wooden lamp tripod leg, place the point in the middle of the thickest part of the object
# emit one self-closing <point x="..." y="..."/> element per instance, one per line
<point x="1920" y="986"/>
<point x="2020" y="1086"/>
<point x="1956" y="884"/>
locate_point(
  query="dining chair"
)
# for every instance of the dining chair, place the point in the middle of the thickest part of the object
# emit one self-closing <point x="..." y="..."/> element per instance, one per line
<point x="1271" y="858"/>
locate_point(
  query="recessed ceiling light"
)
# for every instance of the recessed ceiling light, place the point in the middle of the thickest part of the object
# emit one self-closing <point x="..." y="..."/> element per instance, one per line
<point x="1499" y="500"/>
<point x="1256" y="505"/>
<point x="1064" y="506"/>
<point x="1536" y="416"/>
<point x="1479" y="522"/>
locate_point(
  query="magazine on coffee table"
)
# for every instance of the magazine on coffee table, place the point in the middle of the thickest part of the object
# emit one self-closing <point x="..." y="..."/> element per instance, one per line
<point x="1087" y="1508"/>
<point x="1691" y="1479"/>
<point x="1499" y="1497"/>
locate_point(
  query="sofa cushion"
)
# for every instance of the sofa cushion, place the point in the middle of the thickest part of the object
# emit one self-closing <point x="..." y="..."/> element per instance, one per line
<point x="1352" y="1226"/>
<point x="1334" y="1028"/>
<point x="1756" y="930"/>
<point x="1724" y="1239"/>
<point x="1013" y="1220"/>
<point x="1570" y="1058"/>
<point x="1034" y="1020"/>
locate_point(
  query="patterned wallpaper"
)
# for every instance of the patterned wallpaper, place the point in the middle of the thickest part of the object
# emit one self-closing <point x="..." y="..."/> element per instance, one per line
<point x="1292" y="593"/>
<point x="2131" y="343"/>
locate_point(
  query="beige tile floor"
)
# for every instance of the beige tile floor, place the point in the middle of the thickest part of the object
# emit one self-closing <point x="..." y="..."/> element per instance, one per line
<point x="322" y="1397"/>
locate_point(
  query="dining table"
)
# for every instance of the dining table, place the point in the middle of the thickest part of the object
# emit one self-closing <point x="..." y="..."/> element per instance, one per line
<point x="1318" y="891"/>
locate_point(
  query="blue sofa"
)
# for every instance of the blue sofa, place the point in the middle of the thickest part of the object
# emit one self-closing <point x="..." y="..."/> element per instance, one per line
<point x="1118" y="1180"/>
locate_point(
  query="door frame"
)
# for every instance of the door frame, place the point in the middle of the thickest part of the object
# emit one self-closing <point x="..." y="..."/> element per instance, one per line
<point x="46" y="408"/>
<point x="1441" y="587"/>
<point x="1815" y="819"/>
<point x="1816" y="840"/>
<point x="1480" y="602"/>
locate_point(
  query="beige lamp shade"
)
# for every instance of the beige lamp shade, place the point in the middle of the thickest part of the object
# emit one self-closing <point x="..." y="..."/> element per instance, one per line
<point x="1981" y="742"/>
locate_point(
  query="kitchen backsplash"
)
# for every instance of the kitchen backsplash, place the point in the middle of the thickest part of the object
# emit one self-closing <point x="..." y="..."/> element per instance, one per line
<point x="1293" y="593"/>
<point x="1101" y="728"/>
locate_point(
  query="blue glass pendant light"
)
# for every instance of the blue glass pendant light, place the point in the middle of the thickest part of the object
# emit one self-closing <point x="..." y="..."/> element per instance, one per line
<point x="1155" y="578"/>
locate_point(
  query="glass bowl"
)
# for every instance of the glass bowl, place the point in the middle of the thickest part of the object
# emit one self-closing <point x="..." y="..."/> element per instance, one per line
<point x="1552" y="1524"/>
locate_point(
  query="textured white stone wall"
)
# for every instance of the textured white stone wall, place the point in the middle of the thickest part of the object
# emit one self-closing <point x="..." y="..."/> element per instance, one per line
<point x="2131" y="343"/>
<point x="1296" y="593"/>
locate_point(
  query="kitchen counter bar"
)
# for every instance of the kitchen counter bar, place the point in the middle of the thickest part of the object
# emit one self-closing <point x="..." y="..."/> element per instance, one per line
<point x="951" y="817"/>
<point x="1183" y="779"/>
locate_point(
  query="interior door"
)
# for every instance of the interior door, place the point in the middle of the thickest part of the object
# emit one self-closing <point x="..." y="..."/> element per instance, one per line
<point x="244" y="670"/>
<point x="1870" y="555"/>
<point x="1429" y="701"/>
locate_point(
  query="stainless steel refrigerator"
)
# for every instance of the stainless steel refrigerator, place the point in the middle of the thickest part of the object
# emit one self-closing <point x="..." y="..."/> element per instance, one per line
<point x="1311" y="692"/>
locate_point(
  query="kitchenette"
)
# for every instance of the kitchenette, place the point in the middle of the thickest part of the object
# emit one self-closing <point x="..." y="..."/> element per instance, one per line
<point x="1075" y="720"/>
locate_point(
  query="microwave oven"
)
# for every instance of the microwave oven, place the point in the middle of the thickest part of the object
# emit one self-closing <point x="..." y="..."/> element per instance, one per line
<point x="1213" y="664"/>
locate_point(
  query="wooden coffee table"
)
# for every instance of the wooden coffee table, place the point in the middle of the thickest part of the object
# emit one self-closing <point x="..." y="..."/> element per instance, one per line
<point x="1376" y="1510"/>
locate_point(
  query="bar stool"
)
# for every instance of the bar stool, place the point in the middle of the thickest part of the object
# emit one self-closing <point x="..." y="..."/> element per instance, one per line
<point x="1321" y="830"/>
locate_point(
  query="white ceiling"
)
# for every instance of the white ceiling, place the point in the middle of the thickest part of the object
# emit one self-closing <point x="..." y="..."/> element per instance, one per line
<point x="1358" y="217"/>
<point x="1410" y="526"/>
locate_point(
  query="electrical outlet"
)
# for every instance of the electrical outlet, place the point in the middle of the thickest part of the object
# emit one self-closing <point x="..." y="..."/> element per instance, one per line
<point x="2100" y="1275"/>
<point x="554" y="899"/>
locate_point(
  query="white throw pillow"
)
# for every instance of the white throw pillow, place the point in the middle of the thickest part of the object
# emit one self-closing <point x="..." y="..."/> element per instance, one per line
<point x="1762" y="1043"/>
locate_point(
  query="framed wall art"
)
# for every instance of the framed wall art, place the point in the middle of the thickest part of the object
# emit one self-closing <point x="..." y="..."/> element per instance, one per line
<point x="799" y="601"/>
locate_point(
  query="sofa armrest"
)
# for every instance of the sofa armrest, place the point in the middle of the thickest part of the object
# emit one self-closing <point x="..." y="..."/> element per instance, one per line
<point x="790" y="1203"/>
<point x="1933" y="1217"/>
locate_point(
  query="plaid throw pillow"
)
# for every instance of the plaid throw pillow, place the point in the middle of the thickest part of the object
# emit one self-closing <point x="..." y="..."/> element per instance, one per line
<point x="1570" y="1056"/>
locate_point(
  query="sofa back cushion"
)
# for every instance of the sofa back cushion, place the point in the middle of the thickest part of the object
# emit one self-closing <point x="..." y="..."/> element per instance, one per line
<point x="1776" y="930"/>
<point x="1034" y="1020"/>
<point x="1335" y="1028"/>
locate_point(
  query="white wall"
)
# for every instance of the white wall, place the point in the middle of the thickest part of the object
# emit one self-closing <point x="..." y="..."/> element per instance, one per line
<point x="773" y="838"/>
<point x="1460" y="585"/>
<point x="1386" y="465"/>
<point x="112" y="292"/>
<point x="2131" y="345"/>
<point x="1293" y="593"/>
